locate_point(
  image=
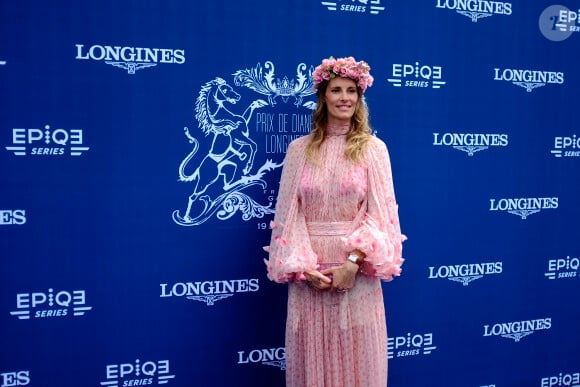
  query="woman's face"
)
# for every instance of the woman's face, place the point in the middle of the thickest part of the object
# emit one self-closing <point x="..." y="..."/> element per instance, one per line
<point x="341" y="99"/>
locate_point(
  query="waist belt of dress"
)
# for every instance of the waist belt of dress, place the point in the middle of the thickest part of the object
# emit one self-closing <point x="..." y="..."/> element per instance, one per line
<point x="328" y="228"/>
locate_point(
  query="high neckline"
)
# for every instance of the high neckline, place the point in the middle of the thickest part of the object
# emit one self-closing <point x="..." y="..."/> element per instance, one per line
<point x="337" y="130"/>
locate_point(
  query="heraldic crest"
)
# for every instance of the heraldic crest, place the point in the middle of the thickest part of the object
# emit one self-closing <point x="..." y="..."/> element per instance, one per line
<point x="229" y="160"/>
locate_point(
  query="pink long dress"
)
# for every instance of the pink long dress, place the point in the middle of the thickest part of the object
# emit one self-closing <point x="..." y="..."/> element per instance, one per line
<point x="324" y="211"/>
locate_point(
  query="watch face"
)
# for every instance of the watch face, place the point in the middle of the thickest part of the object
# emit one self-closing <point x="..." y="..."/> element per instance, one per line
<point x="355" y="259"/>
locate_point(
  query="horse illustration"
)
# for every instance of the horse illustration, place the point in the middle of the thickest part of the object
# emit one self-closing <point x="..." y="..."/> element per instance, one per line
<point x="231" y="145"/>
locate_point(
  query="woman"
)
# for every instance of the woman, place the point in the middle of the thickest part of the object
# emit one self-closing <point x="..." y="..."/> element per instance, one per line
<point x="335" y="235"/>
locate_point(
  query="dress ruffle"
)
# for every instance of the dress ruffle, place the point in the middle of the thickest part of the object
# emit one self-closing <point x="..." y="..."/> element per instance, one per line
<point x="292" y="268"/>
<point x="288" y="262"/>
<point x="382" y="248"/>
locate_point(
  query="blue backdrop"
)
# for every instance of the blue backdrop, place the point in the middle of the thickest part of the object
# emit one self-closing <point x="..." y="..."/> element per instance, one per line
<point x="132" y="215"/>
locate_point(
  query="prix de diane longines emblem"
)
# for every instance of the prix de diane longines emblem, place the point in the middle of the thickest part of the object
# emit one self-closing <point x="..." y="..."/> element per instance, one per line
<point x="220" y="177"/>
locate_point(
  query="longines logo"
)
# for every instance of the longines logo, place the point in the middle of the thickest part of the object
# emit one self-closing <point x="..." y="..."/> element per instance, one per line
<point x="558" y="23"/>
<point x="138" y="373"/>
<point x="476" y="9"/>
<point x="209" y="292"/>
<point x="373" y="7"/>
<point x="465" y="273"/>
<point x="50" y="304"/>
<point x="568" y="267"/>
<point x="563" y="379"/>
<point x="130" y="58"/>
<point x="516" y="330"/>
<point x="15" y="378"/>
<point x="470" y="143"/>
<point x="12" y="217"/>
<point x="410" y="345"/>
<point x="523" y="207"/>
<point x="528" y="79"/>
<point x="417" y="75"/>
<point x="224" y="177"/>
<point x="566" y="146"/>
<point x="47" y="142"/>
<point x="272" y="356"/>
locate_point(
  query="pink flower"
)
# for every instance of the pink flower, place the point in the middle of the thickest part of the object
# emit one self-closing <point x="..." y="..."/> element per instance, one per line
<point x="343" y="67"/>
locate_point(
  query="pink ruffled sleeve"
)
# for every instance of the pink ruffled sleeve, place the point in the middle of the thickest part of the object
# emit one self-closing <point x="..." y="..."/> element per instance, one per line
<point x="379" y="233"/>
<point x="290" y="252"/>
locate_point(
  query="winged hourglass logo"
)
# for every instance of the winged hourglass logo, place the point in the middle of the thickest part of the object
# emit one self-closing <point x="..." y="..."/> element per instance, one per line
<point x="131" y="67"/>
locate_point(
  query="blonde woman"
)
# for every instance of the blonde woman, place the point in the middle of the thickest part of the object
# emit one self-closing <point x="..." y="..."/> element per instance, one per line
<point x="335" y="236"/>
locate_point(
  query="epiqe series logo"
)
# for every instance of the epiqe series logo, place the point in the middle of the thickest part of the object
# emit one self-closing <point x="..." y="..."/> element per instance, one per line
<point x="566" y="146"/>
<point x="52" y="303"/>
<point x="517" y="330"/>
<point x="373" y="7"/>
<point x="222" y="167"/>
<point x="130" y="58"/>
<point x="410" y="345"/>
<point x="138" y="373"/>
<point x="465" y="273"/>
<point x="12" y="217"/>
<point x="523" y="207"/>
<point x="563" y="379"/>
<point x="47" y="142"/>
<point x="209" y="292"/>
<point x="15" y="378"/>
<point x="275" y="357"/>
<point x="417" y="75"/>
<point x="568" y="267"/>
<point x="476" y="9"/>
<point x="528" y="79"/>
<point x="558" y="23"/>
<point x="470" y="143"/>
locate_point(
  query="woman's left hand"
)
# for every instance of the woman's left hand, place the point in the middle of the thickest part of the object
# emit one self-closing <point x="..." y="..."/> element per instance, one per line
<point x="343" y="276"/>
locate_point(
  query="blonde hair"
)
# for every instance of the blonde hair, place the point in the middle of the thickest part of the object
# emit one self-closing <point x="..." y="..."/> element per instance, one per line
<point x="357" y="137"/>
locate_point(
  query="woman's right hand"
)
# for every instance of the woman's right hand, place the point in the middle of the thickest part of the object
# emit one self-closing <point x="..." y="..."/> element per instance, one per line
<point x="318" y="280"/>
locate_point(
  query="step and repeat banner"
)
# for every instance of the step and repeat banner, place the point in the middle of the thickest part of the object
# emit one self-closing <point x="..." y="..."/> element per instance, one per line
<point x="141" y="146"/>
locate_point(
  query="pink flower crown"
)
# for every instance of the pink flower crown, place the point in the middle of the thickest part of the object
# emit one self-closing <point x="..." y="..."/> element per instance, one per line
<point x="345" y="68"/>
